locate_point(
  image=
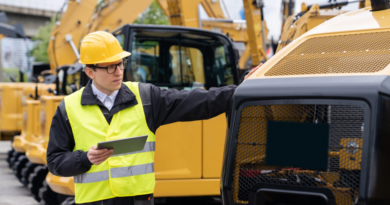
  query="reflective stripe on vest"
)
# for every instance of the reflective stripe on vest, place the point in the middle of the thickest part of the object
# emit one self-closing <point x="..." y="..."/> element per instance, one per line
<point x="128" y="174"/>
<point x="115" y="173"/>
<point x="149" y="147"/>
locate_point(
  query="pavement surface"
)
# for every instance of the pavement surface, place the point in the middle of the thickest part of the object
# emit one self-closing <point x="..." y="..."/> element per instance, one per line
<point x="12" y="192"/>
<point x="5" y="146"/>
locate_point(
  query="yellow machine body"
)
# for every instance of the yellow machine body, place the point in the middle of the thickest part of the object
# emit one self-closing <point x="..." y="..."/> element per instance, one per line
<point x="346" y="45"/>
<point x="36" y="151"/>
<point x="359" y="24"/>
<point x="62" y="185"/>
<point x="11" y="117"/>
<point x="30" y="129"/>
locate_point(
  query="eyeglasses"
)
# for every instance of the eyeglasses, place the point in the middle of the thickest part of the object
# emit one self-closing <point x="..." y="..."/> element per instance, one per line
<point x="112" y="68"/>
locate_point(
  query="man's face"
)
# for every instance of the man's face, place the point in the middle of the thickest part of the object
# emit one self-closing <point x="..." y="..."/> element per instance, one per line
<point x="105" y="82"/>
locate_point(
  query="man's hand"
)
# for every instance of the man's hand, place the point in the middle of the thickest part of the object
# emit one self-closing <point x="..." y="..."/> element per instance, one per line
<point x="252" y="71"/>
<point x="98" y="156"/>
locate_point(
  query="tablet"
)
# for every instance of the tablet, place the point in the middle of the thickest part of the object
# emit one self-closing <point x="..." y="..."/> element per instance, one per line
<point x="126" y="145"/>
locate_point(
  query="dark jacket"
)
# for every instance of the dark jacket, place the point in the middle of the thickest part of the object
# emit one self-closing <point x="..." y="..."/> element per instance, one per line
<point x="161" y="106"/>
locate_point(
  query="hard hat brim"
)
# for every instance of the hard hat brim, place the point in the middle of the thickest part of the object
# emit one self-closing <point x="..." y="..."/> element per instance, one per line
<point x="114" y="58"/>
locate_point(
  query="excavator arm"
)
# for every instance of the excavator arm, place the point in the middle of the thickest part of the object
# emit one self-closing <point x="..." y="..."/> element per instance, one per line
<point x="66" y="34"/>
<point x="255" y="24"/>
<point x="83" y="17"/>
<point x="185" y="13"/>
<point x="110" y="15"/>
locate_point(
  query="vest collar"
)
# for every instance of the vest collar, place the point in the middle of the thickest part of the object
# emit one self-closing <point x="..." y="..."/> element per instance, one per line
<point x="124" y="95"/>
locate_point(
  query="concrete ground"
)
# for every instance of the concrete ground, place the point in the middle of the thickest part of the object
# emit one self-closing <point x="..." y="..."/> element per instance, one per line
<point x="12" y="192"/>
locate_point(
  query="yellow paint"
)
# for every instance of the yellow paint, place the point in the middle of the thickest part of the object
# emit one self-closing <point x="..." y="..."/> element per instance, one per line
<point x="355" y="22"/>
<point x="179" y="151"/>
<point x="63" y="185"/>
<point x="11" y="112"/>
<point x="214" y="134"/>
<point x="36" y="151"/>
<point x="350" y="160"/>
<point x="29" y="113"/>
<point x="187" y="187"/>
<point x="21" y="142"/>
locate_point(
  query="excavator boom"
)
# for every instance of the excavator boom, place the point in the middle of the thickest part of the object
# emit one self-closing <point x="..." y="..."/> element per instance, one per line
<point x="110" y="15"/>
<point x="253" y="33"/>
<point x="83" y="17"/>
<point x="68" y="31"/>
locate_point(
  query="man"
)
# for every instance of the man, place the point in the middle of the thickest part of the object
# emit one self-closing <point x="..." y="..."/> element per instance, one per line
<point x="108" y="109"/>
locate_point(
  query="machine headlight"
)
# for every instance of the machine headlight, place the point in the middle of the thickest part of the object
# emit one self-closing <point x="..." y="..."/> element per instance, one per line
<point x="352" y="146"/>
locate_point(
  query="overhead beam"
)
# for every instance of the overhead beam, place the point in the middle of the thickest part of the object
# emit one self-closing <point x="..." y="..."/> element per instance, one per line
<point x="27" y="11"/>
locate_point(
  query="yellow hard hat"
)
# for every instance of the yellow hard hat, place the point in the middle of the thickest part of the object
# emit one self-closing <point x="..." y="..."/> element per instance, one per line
<point x="101" y="47"/>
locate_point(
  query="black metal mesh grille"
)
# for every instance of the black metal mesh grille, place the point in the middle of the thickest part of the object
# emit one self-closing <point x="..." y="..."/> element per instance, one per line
<point x="346" y="124"/>
<point x="345" y="53"/>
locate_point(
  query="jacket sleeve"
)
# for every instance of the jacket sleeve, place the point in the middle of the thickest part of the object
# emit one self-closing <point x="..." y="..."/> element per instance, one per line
<point x="61" y="159"/>
<point x="171" y="105"/>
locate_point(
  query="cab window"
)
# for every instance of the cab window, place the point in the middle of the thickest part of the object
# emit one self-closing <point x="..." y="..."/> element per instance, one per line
<point x="181" y="61"/>
<point x="144" y="61"/>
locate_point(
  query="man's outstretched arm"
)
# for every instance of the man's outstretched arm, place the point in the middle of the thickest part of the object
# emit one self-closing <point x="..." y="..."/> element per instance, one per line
<point x="171" y="105"/>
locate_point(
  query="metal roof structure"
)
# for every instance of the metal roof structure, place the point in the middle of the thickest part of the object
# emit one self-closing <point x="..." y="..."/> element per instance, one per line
<point x="32" y="7"/>
<point x="50" y="5"/>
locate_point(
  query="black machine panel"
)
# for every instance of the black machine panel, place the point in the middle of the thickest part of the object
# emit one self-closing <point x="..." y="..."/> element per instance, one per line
<point x="325" y="152"/>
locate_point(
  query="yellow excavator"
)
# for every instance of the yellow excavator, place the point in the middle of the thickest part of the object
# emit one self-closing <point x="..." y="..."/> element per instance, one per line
<point x="310" y="126"/>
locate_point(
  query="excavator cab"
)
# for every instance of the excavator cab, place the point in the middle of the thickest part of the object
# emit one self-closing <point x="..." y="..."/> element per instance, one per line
<point x="176" y="57"/>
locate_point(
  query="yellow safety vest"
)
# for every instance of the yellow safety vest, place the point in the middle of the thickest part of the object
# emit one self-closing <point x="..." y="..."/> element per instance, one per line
<point x="119" y="176"/>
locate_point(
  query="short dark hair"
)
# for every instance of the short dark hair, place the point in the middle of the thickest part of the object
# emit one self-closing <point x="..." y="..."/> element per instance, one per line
<point x="92" y="66"/>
